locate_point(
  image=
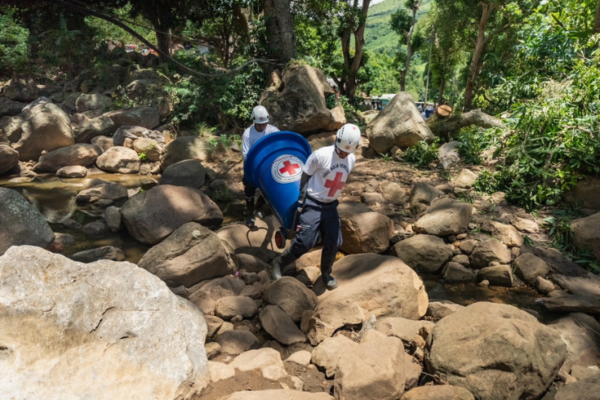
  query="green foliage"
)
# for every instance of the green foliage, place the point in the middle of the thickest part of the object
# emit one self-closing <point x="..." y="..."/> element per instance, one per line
<point x="486" y="182"/>
<point x="422" y="154"/>
<point x="473" y="141"/>
<point x="203" y="129"/>
<point x="223" y="195"/>
<point x="143" y="157"/>
<point x="13" y="43"/>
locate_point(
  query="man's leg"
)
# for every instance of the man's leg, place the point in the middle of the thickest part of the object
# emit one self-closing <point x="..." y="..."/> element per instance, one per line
<point x="331" y="235"/>
<point x="305" y="240"/>
<point x="249" y="192"/>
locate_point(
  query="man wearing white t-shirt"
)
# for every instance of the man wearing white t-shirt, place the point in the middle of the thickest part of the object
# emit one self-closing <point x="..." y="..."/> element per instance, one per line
<point x="260" y="128"/>
<point x="323" y="177"/>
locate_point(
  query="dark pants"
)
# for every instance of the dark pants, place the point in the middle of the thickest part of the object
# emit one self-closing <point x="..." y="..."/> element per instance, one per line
<point x="249" y="191"/>
<point x="316" y="219"/>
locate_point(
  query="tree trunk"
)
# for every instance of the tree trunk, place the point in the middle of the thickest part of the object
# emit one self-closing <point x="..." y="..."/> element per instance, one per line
<point x="446" y="127"/>
<point x="280" y="28"/>
<point x="442" y="88"/>
<point x="352" y="64"/>
<point x="597" y="19"/>
<point x="408" y="57"/>
<point x="162" y="44"/>
<point x="488" y="9"/>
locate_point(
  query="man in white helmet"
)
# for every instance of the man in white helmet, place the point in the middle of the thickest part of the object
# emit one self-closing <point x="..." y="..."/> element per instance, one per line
<point x="260" y="128"/>
<point x="323" y="177"/>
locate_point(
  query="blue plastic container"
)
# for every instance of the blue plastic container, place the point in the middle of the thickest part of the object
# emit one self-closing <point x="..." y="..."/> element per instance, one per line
<point x="274" y="165"/>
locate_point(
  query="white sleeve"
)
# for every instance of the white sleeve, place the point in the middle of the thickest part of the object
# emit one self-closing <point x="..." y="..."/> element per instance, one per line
<point x="245" y="143"/>
<point x="272" y="129"/>
<point x="312" y="165"/>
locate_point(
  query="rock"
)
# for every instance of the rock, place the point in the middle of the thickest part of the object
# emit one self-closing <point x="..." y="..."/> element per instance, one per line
<point x="43" y="128"/>
<point x="87" y="102"/>
<point x="103" y="142"/>
<point x="576" y="303"/>
<point x="543" y="285"/>
<point x="101" y="253"/>
<point x="213" y="324"/>
<point x="251" y="263"/>
<point x="190" y="173"/>
<point x="231" y="306"/>
<point x="137" y="132"/>
<point x="301" y="106"/>
<point x="393" y="193"/>
<point x="183" y="148"/>
<point x="291" y="296"/>
<point x="578" y="372"/>
<point x="78" y="154"/>
<point x="369" y="284"/>
<point x="280" y="326"/>
<point x="507" y="234"/>
<point x="371" y="198"/>
<point x="112" y="217"/>
<point x="585" y="194"/>
<point x="22" y="89"/>
<point x="120" y="160"/>
<point x="529" y="268"/>
<point x="20" y="223"/>
<point x="404" y="329"/>
<point x="90" y="129"/>
<point x="489" y="251"/>
<point x="421" y="196"/>
<point x="496" y="351"/>
<point x="65" y="239"/>
<point x="399" y="124"/>
<point x="525" y="225"/>
<point x="301" y="357"/>
<point x="147" y="117"/>
<point x="586" y="235"/>
<point x="497" y="275"/>
<point x="266" y="360"/>
<point x="442" y="392"/>
<point x="219" y="371"/>
<point x="457" y="273"/>
<point x="152" y="150"/>
<point x="582" y="390"/>
<point x="144" y="88"/>
<point x="462" y="260"/>
<point x="9" y="107"/>
<point x="581" y="333"/>
<point x="424" y="253"/>
<point x="236" y="342"/>
<point x="364" y="230"/>
<point x="445" y="217"/>
<point x="104" y="191"/>
<point x="375" y="370"/>
<point x="89" y="319"/>
<point x="97" y="228"/>
<point x="468" y="246"/>
<point x="9" y="158"/>
<point x="136" y="74"/>
<point x="277" y="395"/>
<point x="327" y="354"/>
<point x="75" y="171"/>
<point x="189" y="255"/>
<point x="206" y="296"/>
<point x="440" y="309"/>
<point x="152" y="215"/>
<point x="448" y="154"/>
<point x="465" y="179"/>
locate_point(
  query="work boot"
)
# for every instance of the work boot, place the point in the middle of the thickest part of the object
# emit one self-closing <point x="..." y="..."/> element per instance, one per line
<point x="281" y="261"/>
<point x="250" y="212"/>
<point x="259" y="207"/>
<point x="327" y="260"/>
<point x="329" y="281"/>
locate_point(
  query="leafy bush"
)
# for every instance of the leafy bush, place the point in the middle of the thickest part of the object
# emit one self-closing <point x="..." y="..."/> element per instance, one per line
<point x="474" y="141"/>
<point x="422" y="154"/>
<point x="13" y="44"/>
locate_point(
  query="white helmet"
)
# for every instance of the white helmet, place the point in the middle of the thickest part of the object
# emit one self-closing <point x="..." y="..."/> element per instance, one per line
<point x="260" y="115"/>
<point x="348" y="138"/>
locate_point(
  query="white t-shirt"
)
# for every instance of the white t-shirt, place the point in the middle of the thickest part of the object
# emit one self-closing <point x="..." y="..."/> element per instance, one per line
<point x="328" y="173"/>
<point x="251" y="136"/>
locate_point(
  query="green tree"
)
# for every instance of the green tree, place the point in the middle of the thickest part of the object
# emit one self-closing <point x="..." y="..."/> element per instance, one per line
<point x="13" y="43"/>
<point x="403" y="23"/>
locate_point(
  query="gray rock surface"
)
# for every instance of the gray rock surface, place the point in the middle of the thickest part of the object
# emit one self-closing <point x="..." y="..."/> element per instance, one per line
<point x="147" y="117"/>
<point x="230" y="306"/>
<point x="89" y="129"/>
<point x="424" y="253"/>
<point x="190" y="173"/>
<point x="291" y="296"/>
<point x="9" y="158"/>
<point x="103" y="191"/>
<point x="457" y="273"/>
<point x="100" y="253"/>
<point x="421" y="196"/>
<point x="488" y="251"/>
<point x="120" y="160"/>
<point x="74" y="171"/>
<point x="280" y="326"/>
<point x="84" y="155"/>
<point x="445" y="217"/>
<point x="183" y="148"/>
<point x="529" y="268"/>
<point x="497" y="275"/>
<point x="87" y="102"/>
<point x="364" y="230"/>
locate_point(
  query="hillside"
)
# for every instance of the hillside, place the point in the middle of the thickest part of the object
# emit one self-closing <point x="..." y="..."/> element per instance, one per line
<point x="379" y="37"/>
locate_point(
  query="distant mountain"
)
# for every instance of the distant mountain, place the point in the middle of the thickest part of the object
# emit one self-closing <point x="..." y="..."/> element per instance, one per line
<point x="379" y="37"/>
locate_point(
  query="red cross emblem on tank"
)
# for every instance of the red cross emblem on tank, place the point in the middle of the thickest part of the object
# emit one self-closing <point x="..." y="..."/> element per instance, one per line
<point x="335" y="184"/>
<point x="289" y="168"/>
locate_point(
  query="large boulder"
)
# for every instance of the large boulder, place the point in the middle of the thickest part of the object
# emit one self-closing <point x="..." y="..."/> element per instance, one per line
<point x="205" y="297"/>
<point x="259" y="241"/>
<point x="77" y="154"/>
<point x="374" y="370"/>
<point x="291" y="296"/>
<point x="280" y="326"/>
<point x="147" y="117"/>
<point x="369" y="284"/>
<point x="300" y="103"/>
<point x="585" y="194"/>
<point x="507" y="234"/>
<point x="585" y="389"/>
<point x="113" y="192"/>
<point x="327" y="354"/>
<point x="189" y="255"/>
<point x="21" y="223"/>
<point x="119" y="159"/>
<point x="9" y="107"/>
<point x="183" y="148"/>
<point x="190" y="173"/>
<point x="445" y="217"/>
<point x="490" y="251"/>
<point x="21" y="89"/>
<point x="424" y="253"/>
<point x="9" y="158"/>
<point x="103" y="142"/>
<point x="586" y="234"/>
<point x="529" y="267"/>
<point x="581" y="333"/>
<point x="89" y="328"/>
<point x="151" y="149"/>
<point x="399" y="124"/>
<point x="364" y="230"/>
<point x="44" y="127"/>
<point x="86" y="102"/>
<point x="152" y="215"/>
<point x="421" y="196"/>
<point x="496" y="351"/>
<point x="92" y="128"/>
<point x="136" y="132"/>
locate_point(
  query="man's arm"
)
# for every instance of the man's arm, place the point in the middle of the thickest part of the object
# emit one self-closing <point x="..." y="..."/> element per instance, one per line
<point x="245" y="144"/>
<point x="303" y="185"/>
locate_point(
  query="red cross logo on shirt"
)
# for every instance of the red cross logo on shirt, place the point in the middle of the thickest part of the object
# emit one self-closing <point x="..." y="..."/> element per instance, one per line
<point x="289" y="168"/>
<point x="335" y="185"/>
